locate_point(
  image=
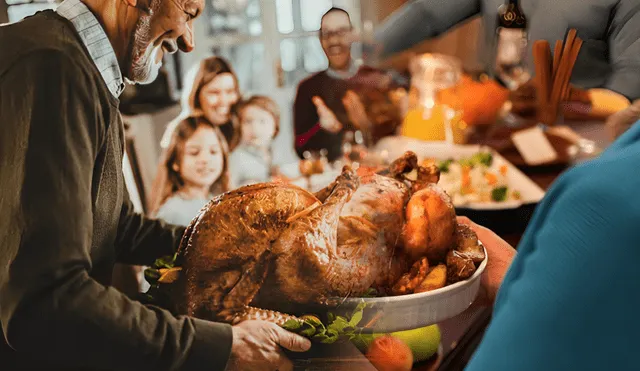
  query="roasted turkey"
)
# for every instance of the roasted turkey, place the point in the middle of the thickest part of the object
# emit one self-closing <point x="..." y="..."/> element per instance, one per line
<point x="258" y="251"/>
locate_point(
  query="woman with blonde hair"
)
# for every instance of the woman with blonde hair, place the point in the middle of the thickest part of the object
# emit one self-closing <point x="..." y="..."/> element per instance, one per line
<point x="194" y="169"/>
<point x="213" y="93"/>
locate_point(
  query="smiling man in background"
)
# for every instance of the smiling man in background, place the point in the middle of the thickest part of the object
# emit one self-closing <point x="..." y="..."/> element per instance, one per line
<point x="66" y="217"/>
<point x="336" y="100"/>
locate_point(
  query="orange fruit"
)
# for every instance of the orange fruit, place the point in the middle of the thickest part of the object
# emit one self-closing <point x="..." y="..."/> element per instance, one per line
<point x="388" y="353"/>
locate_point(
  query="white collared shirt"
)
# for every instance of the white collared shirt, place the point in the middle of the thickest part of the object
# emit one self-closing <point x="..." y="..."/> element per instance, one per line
<point x="96" y="41"/>
<point x="354" y="66"/>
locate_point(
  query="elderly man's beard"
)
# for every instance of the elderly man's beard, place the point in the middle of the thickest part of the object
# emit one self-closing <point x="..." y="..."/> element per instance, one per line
<point x="143" y="55"/>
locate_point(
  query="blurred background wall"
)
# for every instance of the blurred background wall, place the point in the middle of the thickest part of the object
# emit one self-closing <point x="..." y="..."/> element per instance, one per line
<point x="462" y="42"/>
<point x="272" y="45"/>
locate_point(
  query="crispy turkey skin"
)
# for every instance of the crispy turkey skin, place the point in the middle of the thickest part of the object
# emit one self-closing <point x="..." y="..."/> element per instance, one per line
<point x="259" y="250"/>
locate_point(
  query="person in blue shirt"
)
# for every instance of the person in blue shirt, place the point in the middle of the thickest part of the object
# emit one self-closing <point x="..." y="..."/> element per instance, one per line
<point x="569" y="298"/>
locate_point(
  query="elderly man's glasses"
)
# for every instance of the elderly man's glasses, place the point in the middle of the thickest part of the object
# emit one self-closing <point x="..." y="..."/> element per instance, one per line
<point x="341" y="32"/>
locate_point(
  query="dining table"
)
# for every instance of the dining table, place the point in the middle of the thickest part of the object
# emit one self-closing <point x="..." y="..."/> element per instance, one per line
<point x="461" y="335"/>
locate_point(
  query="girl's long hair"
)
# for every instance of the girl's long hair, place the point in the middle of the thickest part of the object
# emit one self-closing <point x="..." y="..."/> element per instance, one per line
<point x="168" y="181"/>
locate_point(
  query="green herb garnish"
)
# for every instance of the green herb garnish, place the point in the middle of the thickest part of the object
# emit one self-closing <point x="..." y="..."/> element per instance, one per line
<point x="331" y="317"/>
<point x="308" y="330"/>
<point x="371" y="293"/>
<point x="478" y="159"/>
<point x="337" y="328"/>
<point x="483" y="158"/>
<point x="152" y="274"/>
<point x="292" y="325"/>
<point x="499" y="194"/>
<point x="165" y="262"/>
<point x="444" y="165"/>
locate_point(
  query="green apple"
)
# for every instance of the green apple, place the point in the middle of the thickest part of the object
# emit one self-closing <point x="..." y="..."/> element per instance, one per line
<point x="423" y="342"/>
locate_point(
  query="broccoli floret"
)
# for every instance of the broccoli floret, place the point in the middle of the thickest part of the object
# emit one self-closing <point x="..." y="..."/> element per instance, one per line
<point x="499" y="194"/>
<point x="444" y="165"/>
<point x="483" y="158"/>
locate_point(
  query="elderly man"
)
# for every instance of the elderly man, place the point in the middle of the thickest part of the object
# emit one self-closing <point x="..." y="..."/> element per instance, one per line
<point x="609" y="58"/>
<point x="333" y="101"/>
<point x="66" y="218"/>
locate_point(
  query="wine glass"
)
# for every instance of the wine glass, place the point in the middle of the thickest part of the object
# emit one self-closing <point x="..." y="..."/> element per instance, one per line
<point x="353" y="148"/>
<point x="512" y="70"/>
<point x="320" y="162"/>
<point x="306" y="167"/>
<point x="511" y="60"/>
<point x="347" y="146"/>
<point x="324" y="156"/>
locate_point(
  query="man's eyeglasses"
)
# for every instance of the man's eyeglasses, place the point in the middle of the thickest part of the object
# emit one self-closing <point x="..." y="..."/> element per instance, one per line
<point x="341" y="32"/>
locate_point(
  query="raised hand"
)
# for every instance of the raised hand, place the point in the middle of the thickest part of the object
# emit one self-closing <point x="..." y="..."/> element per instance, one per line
<point x="328" y="120"/>
<point x="355" y="110"/>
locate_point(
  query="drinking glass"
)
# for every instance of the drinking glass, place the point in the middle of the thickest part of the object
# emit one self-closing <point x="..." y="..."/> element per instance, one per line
<point x="511" y="61"/>
<point x="307" y="167"/>
<point x="435" y="108"/>
<point x="353" y="149"/>
<point x="512" y="69"/>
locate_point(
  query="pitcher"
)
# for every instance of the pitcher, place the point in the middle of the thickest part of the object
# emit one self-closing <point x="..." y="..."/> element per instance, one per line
<point x="435" y="108"/>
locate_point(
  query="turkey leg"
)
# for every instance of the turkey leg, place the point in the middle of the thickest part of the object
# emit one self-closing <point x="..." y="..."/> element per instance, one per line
<point x="235" y="306"/>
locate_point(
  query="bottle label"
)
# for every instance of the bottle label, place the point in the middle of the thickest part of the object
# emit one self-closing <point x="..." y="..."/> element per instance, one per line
<point x="512" y="45"/>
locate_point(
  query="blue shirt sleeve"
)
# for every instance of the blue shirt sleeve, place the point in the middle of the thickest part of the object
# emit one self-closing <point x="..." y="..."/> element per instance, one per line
<point x="571" y="299"/>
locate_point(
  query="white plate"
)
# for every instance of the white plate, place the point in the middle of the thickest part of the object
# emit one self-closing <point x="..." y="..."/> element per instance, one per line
<point x="406" y="312"/>
<point x="394" y="147"/>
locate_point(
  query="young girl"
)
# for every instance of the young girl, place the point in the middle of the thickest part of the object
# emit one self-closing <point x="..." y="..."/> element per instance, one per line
<point x="194" y="170"/>
<point x="250" y="162"/>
